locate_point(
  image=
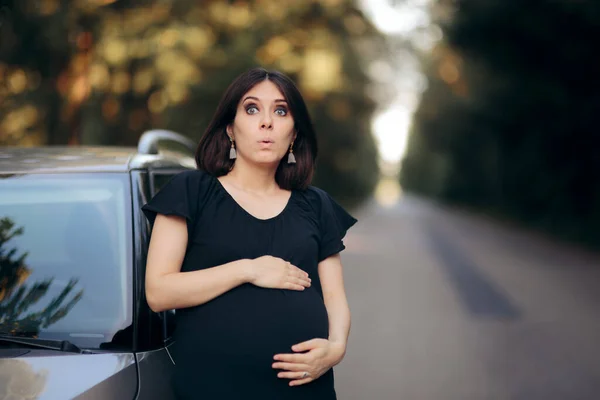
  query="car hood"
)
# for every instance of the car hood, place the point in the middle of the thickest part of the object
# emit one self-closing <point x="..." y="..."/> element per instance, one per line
<point x="39" y="374"/>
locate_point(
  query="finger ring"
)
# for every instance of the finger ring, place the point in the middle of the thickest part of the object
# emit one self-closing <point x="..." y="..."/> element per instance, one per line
<point x="305" y="375"/>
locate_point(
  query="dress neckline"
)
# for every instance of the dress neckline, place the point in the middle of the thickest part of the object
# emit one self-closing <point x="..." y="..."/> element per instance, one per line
<point x="252" y="216"/>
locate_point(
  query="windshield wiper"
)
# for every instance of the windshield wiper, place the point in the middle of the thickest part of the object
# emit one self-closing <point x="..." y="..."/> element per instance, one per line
<point x="58" y="345"/>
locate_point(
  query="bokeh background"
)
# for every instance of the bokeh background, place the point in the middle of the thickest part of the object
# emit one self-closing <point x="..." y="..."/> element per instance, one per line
<point x="99" y="72"/>
<point x="499" y="98"/>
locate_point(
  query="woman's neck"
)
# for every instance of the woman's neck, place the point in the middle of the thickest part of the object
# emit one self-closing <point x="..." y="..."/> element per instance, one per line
<point x="253" y="178"/>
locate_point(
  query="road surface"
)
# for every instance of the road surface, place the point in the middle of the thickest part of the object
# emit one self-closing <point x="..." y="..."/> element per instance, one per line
<point x="449" y="306"/>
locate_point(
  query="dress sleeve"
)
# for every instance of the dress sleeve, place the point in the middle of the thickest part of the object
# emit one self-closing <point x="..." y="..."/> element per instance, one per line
<point x="334" y="222"/>
<point x="179" y="196"/>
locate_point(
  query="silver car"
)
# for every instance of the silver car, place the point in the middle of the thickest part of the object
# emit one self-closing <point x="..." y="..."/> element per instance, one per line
<point x="74" y="322"/>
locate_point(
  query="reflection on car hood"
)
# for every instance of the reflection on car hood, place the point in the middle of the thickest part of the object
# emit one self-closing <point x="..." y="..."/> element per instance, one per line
<point x="33" y="374"/>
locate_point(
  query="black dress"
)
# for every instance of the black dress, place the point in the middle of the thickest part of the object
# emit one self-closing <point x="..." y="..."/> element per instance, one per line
<point x="224" y="348"/>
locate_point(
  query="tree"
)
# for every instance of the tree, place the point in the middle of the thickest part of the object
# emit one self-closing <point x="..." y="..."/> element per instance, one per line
<point x="129" y="66"/>
<point x="16" y="297"/>
<point x="510" y="114"/>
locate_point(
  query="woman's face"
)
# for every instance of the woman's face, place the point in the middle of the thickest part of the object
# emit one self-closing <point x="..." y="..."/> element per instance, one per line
<point x="263" y="128"/>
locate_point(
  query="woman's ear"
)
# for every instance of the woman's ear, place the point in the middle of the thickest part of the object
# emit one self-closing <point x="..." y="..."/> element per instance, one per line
<point x="229" y="131"/>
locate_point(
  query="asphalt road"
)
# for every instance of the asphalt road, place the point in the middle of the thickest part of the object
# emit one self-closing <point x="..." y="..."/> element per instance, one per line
<point x="449" y="306"/>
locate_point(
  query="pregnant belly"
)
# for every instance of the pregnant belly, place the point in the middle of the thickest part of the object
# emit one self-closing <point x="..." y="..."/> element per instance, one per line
<point x="253" y="323"/>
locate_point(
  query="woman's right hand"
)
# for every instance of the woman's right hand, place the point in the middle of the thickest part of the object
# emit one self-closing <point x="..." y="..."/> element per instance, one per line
<point x="276" y="273"/>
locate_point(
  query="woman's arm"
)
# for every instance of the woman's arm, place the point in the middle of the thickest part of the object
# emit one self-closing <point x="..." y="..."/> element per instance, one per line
<point x="168" y="288"/>
<point x="317" y="356"/>
<point x="334" y="294"/>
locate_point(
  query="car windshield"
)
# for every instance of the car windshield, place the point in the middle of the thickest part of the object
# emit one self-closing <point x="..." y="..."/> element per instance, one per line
<point x="65" y="257"/>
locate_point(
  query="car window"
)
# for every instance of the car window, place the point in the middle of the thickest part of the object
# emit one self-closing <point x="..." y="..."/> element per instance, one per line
<point x="65" y="257"/>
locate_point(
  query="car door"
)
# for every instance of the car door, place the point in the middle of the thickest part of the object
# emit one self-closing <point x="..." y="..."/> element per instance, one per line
<point x="155" y="361"/>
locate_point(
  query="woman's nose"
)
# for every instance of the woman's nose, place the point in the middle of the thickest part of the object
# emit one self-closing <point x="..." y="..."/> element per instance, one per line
<point x="266" y="123"/>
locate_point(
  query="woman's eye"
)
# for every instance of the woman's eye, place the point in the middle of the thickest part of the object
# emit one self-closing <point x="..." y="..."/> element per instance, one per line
<point x="252" y="110"/>
<point x="281" y="111"/>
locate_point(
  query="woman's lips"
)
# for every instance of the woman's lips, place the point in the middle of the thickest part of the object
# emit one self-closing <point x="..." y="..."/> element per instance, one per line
<point x="266" y="143"/>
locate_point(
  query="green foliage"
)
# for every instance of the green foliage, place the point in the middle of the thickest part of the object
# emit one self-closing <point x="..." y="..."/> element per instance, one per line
<point x="16" y="297"/>
<point x="508" y="123"/>
<point x="110" y="73"/>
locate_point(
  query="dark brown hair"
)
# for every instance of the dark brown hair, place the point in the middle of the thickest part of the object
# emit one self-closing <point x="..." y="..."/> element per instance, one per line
<point x="212" y="154"/>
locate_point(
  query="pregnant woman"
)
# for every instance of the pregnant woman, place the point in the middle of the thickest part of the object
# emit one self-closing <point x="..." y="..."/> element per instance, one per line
<point x="247" y="251"/>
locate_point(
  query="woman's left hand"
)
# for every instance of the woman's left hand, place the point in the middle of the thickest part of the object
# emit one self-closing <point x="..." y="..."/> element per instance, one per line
<point x="312" y="359"/>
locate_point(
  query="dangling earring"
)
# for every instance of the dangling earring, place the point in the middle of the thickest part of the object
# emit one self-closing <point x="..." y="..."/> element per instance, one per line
<point x="232" y="152"/>
<point x="291" y="157"/>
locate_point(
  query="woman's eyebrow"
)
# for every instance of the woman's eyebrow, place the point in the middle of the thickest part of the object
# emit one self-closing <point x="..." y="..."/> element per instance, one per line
<point x="256" y="98"/>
